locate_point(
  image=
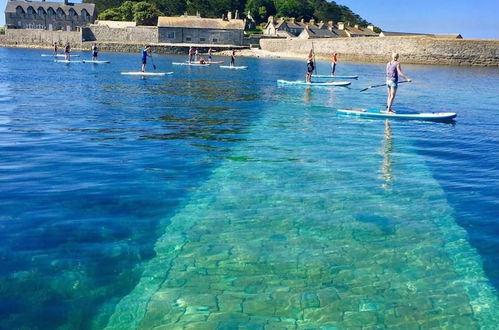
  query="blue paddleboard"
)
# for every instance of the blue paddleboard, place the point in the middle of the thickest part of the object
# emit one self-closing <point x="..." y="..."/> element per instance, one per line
<point x="376" y="113"/>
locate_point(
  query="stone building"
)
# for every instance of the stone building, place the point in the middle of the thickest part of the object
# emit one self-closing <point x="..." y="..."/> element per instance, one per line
<point x="312" y="30"/>
<point x="42" y="15"/>
<point x="198" y="30"/>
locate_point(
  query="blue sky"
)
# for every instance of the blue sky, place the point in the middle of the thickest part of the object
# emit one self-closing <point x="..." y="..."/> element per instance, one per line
<point x="470" y="18"/>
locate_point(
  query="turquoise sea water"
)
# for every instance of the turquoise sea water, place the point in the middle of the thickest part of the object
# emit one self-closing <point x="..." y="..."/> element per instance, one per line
<point x="216" y="199"/>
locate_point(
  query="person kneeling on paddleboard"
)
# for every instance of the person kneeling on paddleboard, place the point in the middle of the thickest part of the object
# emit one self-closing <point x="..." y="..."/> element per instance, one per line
<point x="393" y="71"/>
<point x="145" y="54"/>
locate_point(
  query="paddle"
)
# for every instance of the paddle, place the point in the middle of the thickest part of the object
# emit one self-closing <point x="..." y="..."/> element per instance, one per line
<point x="315" y="62"/>
<point x="380" y="85"/>
<point x="153" y="65"/>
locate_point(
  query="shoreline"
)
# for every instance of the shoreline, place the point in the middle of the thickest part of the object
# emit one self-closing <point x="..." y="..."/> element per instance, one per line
<point x="419" y="50"/>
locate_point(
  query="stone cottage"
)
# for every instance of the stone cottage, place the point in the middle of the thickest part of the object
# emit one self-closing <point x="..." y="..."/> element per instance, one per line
<point x="198" y="30"/>
<point x="42" y="15"/>
<point x="312" y="30"/>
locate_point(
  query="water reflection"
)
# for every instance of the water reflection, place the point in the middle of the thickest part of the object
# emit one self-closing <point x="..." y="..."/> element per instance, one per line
<point x="386" y="168"/>
<point x="308" y="95"/>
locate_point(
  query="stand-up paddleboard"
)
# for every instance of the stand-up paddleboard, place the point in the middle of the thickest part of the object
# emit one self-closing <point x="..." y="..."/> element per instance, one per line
<point x="234" y="67"/>
<point x="207" y="62"/>
<point x="140" y="73"/>
<point x="190" y="64"/>
<point x="58" y="55"/>
<point x="66" y="61"/>
<point x="326" y="84"/>
<point x="333" y="77"/>
<point x="95" y="62"/>
<point x="376" y="113"/>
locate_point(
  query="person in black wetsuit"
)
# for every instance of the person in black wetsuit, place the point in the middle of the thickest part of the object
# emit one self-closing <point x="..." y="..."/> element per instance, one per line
<point x="310" y="66"/>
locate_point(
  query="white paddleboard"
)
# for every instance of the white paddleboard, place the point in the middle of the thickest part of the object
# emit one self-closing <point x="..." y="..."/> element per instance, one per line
<point x="208" y="62"/>
<point x="333" y="77"/>
<point x="377" y="113"/>
<point x="302" y="82"/>
<point x="190" y="64"/>
<point x="67" y="62"/>
<point x="140" y="73"/>
<point x="58" y="55"/>
<point x="235" y="67"/>
<point x="95" y="62"/>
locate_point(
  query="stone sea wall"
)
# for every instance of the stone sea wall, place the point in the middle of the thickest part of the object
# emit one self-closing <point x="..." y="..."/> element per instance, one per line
<point x="131" y="34"/>
<point x="40" y="37"/>
<point x="416" y="50"/>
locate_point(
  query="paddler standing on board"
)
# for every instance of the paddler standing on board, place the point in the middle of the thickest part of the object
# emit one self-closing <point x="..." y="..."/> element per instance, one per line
<point x="190" y="54"/>
<point x="334" y="60"/>
<point x="233" y="58"/>
<point x="67" y="51"/>
<point x="393" y="71"/>
<point x="209" y="55"/>
<point x="145" y="54"/>
<point x="310" y="66"/>
<point x="55" y="48"/>
<point x="95" y="51"/>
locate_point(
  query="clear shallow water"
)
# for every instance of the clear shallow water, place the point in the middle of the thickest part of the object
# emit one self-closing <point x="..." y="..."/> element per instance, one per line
<point x="218" y="199"/>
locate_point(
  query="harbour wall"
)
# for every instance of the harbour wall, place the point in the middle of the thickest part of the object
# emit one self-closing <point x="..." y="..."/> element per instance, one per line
<point x="39" y="37"/>
<point x="131" y="34"/>
<point x="415" y="50"/>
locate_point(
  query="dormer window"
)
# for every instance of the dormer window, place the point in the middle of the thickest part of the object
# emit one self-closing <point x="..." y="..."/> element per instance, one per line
<point x="60" y="13"/>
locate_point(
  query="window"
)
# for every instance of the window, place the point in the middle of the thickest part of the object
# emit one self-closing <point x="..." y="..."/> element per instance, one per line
<point x="170" y="35"/>
<point x="215" y="40"/>
<point x="73" y="14"/>
<point x="85" y="15"/>
<point x="51" y="12"/>
<point x="202" y="39"/>
<point x="20" y="11"/>
<point x="31" y="12"/>
<point x="41" y="12"/>
<point x="188" y="39"/>
<point x="60" y="13"/>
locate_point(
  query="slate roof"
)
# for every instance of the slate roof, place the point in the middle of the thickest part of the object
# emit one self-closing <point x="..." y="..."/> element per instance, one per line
<point x="195" y="22"/>
<point x="78" y="7"/>
<point x="360" y="31"/>
<point x="316" y="32"/>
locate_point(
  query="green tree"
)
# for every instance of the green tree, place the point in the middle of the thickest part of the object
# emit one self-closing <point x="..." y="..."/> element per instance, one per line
<point x="260" y="10"/>
<point x="111" y="14"/>
<point x="294" y="8"/>
<point x="146" y="13"/>
<point x="127" y="9"/>
<point x="171" y="7"/>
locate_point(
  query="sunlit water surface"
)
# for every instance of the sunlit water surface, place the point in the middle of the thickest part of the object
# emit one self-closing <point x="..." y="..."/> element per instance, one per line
<point x="215" y="198"/>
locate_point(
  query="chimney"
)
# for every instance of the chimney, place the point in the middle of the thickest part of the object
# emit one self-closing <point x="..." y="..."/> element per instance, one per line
<point x="229" y="15"/>
<point x="292" y="20"/>
<point x="271" y="19"/>
<point x="281" y="19"/>
<point x="236" y="15"/>
<point x="371" y="27"/>
<point x="356" y="26"/>
<point x="312" y="21"/>
<point x="302" y="21"/>
<point x="341" y="26"/>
